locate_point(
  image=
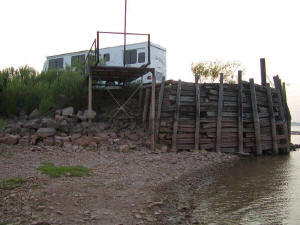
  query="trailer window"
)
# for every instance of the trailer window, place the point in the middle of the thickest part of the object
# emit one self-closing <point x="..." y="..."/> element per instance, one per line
<point x="56" y="63"/>
<point x="130" y="56"/>
<point x="141" y="57"/>
<point x="106" y="57"/>
<point x="77" y="58"/>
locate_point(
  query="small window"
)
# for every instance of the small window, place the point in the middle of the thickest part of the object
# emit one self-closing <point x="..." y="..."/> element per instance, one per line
<point x="141" y="57"/>
<point x="56" y="63"/>
<point x="106" y="57"/>
<point x="77" y="58"/>
<point x="130" y="56"/>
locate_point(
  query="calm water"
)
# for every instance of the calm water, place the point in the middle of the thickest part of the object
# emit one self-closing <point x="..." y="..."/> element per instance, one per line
<point x="264" y="190"/>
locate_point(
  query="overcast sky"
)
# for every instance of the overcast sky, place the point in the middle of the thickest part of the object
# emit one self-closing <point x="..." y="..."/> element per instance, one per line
<point x="190" y="30"/>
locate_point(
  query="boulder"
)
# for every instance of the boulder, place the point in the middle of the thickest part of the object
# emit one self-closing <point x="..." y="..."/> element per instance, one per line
<point x="33" y="124"/>
<point x="12" y="139"/>
<point x="68" y="111"/>
<point x="75" y="136"/>
<point x="34" y="114"/>
<point x="81" y="141"/>
<point x="86" y="114"/>
<point x="45" y="132"/>
<point x="24" y="141"/>
<point x="49" y="141"/>
<point x="50" y="123"/>
<point x="64" y="127"/>
<point x="133" y="137"/>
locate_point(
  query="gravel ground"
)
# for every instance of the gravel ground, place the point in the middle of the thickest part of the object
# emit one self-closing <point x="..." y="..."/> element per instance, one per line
<point x="124" y="188"/>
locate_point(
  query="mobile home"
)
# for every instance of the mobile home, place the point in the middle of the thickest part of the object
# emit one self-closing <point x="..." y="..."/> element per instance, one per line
<point x="136" y="55"/>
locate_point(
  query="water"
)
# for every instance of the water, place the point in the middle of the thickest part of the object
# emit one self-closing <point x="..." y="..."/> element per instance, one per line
<point x="263" y="190"/>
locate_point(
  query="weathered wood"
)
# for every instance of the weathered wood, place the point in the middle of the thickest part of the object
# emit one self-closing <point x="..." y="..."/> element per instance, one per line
<point x="153" y="112"/>
<point x="219" y="119"/>
<point x="176" y="115"/>
<point x="263" y="72"/>
<point x="240" y="111"/>
<point x="141" y="94"/>
<point x="197" y="93"/>
<point x="255" y="118"/>
<point x="160" y="100"/>
<point x="90" y="96"/>
<point x="272" y="119"/>
<point x="281" y="112"/>
<point x="288" y="113"/>
<point x="146" y="107"/>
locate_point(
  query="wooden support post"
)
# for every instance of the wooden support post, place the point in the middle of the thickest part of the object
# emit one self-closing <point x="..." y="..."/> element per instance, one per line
<point x="197" y="130"/>
<point x="288" y="113"/>
<point x="152" y="124"/>
<point x="219" y="119"/>
<point x="272" y="119"/>
<point x="255" y="118"/>
<point x="176" y="116"/>
<point x="146" y="106"/>
<point x="90" y="96"/>
<point x="281" y="112"/>
<point x="141" y="93"/>
<point x="240" y="112"/>
<point x="160" y="100"/>
<point x="263" y="71"/>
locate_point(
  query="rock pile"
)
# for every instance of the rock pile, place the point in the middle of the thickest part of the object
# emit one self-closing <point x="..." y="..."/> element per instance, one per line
<point x="71" y="130"/>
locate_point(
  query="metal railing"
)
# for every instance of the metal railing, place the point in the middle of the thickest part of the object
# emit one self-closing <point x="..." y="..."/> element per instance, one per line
<point x="92" y="58"/>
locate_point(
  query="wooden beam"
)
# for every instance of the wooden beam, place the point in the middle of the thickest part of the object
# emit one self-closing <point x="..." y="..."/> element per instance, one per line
<point x="219" y="118"/>
<point x="197" y="90"/>
<point x="153" y="112"/>
<point x="288" y="113"/>
<point x="240" y="112"/>
<point x="281" y="112"/>
<point x="176" y="116"/>
<point x="255" y="118"/>
<point x="160" y="101"/>
<point x="146" y="106"/>
<point x="272" y="119"/>
<point x="141" y="93"/>
<point x="90" y="96"/>
<point x="263" y="71"/>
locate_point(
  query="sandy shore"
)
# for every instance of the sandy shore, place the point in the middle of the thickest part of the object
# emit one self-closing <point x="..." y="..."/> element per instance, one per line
<point x="136" y="187"/>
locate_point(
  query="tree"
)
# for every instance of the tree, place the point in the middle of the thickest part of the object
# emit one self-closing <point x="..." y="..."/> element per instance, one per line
<point x="206" y="70"/>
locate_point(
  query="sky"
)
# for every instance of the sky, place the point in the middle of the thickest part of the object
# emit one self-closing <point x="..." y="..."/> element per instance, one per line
<point x="190" y="30"/>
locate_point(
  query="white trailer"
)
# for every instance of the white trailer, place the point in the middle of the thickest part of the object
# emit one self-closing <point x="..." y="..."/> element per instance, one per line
<point x="136" y="55"/>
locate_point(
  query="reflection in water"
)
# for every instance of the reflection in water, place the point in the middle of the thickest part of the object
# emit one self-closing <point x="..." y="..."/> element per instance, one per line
<point x="263" y="190"/>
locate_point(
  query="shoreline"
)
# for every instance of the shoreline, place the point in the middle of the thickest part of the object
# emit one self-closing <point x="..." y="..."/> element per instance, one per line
<point x="124" y="188"/>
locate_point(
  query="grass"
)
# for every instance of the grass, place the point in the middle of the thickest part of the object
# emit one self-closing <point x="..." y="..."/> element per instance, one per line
<point x="56" y="171"/>
<point x="11" y="183"/>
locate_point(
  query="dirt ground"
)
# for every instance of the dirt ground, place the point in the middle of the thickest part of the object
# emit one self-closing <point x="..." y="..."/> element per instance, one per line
<point x="124" y="188"/>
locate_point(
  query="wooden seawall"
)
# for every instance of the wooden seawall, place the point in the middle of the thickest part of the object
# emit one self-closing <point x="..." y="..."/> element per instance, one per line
<point x="243" y="117"/>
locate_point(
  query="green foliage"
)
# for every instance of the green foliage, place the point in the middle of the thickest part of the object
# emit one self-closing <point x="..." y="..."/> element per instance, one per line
<point x="25" y="89"/>
<point x="11" y="183"/>
<point x="2" y="124"/>
<point x="56" y="171"/>
<point x="207" y="70"/>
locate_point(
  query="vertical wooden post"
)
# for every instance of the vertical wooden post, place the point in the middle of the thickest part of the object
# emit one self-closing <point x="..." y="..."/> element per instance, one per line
<point x="219" y="119"/>
<point x="263" y="72"/>
<point x="240" y="112"/>
<point x="281" y="112"/>
<point x="160" y="100"/>
<point x="288" y="113"/>
<point x="141" y="93"/>
<point x="153" y="112"/>
<point x="176" y="116"/>
<point x="272" y="119"/>
<point x="90" y="95"/>
<point x="197" y="130"/>
<point x="255" y="118"/>
<point x="146" y="105"/>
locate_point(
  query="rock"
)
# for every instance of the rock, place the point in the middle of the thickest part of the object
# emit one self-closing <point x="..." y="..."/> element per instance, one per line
<point x="85" y="125"/>
<point x="49" y="141"/>
<point x="34" y="114"/>
<point x="92" y="144"/>
<point x="68" y="111"/>
<point x="12" y="139"/>
<point x="164" y="148"/>
<point x="58" y="112"/>
<point x="34" y="139"/>
<point x="13" y="128"/>
<point x="132" y="145"/>
<point x="86" y="114"/>
<point x="133" y="137"/>
<point x="50" y="123"/>
<point x="124" y="148"/>
<point x="24" y="141"/>
<point x="64" y="127"/>
<point x="75" y="137"/>
<point x="81" y="141"/>
<point x="58" y="118"/>
<point x="45" y="132"/>
<point x="112" y="135"/>
<point x="33" y="124"/>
